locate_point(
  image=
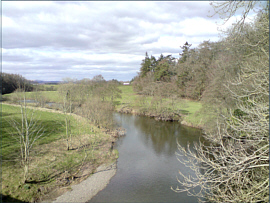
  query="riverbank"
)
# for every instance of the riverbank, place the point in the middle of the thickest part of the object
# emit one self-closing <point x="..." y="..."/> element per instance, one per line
<point x="185" y="111"/>
<point x="53" y="169"/>
<point x="163" y="116"/>
<point x="87" y="189"/>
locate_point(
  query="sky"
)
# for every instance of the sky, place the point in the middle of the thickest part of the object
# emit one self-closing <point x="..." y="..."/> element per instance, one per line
<point x="51" y="41"/>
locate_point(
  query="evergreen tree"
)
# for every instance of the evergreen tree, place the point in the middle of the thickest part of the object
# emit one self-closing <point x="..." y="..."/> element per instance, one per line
<point x="153" y="64"/>
<point x="145" y="65"/>
<point x="185" y="52"/>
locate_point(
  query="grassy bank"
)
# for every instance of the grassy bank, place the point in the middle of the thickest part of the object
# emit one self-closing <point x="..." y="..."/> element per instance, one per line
<point x="187" y="112"/>
<point x="51" y="167"/>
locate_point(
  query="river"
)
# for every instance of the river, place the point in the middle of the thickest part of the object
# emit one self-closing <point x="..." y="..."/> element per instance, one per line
<point x="147" y="166"/>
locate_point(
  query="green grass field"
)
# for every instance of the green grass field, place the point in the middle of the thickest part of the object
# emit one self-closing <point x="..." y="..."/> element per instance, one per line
<point x="48" y="96"/>
<point x="128" y="95"/>
<point x="190" y="109"/>
<point x="50" y="163"/>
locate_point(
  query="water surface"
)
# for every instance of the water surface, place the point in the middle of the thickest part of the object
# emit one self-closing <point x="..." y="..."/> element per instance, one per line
<point x="147" y="166"/>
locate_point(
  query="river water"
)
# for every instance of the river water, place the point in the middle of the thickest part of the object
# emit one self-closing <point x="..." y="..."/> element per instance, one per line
<point x="147" y="166"/>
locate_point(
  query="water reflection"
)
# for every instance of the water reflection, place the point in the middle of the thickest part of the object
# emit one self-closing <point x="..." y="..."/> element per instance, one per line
<point x="147" y="166"/>
<point x="163" y="135"/>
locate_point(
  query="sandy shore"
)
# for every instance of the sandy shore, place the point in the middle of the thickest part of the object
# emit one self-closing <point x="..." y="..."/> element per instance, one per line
<point x="88" y="188"/>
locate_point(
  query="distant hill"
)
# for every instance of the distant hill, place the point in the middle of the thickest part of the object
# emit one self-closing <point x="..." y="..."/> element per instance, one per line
<point x="45" y="82"/>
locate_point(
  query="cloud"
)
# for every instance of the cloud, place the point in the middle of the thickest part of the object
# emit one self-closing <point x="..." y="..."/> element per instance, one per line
<point x="54" y="40"/>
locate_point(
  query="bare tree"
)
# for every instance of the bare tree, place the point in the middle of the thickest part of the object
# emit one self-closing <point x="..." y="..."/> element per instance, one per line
<point x="66" y="91"/>
<point x="228" y="9"/>
<point x="27" y="130"/>
<point x="234" y="166"/>
<point x="39" y="97"/>
<point x="98" y="112"/>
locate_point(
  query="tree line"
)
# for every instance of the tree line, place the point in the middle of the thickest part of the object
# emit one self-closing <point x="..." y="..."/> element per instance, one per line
<point x="10" y="82"/>
<point x="192" y="75"/>
<point x="200" y="72"/>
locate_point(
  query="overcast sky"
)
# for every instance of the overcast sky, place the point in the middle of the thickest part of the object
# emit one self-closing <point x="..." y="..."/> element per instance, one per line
<point x="55" y="40"/>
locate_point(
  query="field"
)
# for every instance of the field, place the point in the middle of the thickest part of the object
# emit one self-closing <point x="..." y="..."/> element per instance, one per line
<point x="48" y="96"/>
<point x="128" y="96"/>
<point x="190" y="110"/>
<point x="51" y="165"/>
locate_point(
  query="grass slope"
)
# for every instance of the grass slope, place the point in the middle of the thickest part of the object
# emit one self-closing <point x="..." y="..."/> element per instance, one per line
<point x="51" y="165"/>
